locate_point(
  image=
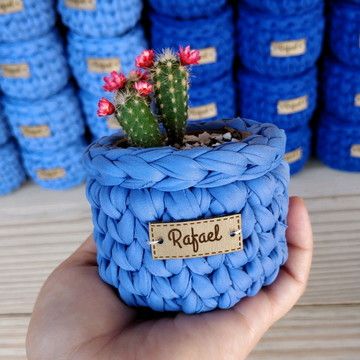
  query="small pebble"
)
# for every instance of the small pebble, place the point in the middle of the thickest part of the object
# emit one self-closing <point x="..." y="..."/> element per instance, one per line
<point x="227" y="136"/>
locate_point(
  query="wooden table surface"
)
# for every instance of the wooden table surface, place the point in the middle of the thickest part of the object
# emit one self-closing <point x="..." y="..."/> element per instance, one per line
<point x="40" y="228"/>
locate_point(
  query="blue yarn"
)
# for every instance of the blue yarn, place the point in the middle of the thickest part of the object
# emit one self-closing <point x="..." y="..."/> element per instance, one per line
<point x="215" y="32"/>
<point x="189" y="9"/>
<point x="45" y="58"/>
<point x="80" y="49"/>
<point x="60" y="114"/>
<point x="109" y="17"/>
<point x="298" y="139"/>
<point x="4" y="130"/>
<point x="35" y="19"/>
<point x="282" y="7"/>
<point x="130" y="187"/>
<point x="341" y="85"/>
<point x="335" y="139"/>
<point x="12" y="174"/>
<point x="260" y="96"/>
<point x="344" y="29"/>
<point x="67" y="158"/>
<point x="257" y="31"/>
<point x="219" y="93"/>
<point x="99" y="126"/>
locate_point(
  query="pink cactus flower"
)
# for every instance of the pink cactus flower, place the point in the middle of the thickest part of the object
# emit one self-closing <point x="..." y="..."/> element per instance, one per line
<point x="105" y="107"/>
<point x="143" y="88"/>
<point x="138" y="75"/>
<point x="145" y="59"/>
<point x="188" y="56"/>
<point x="114" y="81"/>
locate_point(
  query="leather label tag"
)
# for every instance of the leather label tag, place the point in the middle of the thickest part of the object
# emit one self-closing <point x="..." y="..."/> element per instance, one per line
<point x="357" y="100"/>
<point x="35" y="131"/>
<point x="103" y="65"/>
<point x="288" y="48"/>
<point x="11" y="6"/>
<point x="208" y="56"/>
<point x="293" y="156"/>
<point x="51" y="174"/>
<point x="355" y="151"/>
<point x="16" y="71"/>
<point x="192" y="239"/>
<point x="81" y="4"/>
<point x="292" y="106"/>
<point x="202" y="112"/>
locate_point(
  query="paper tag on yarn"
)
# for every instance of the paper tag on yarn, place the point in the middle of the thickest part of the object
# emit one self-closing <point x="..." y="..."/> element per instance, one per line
<point x="355" y="151"/>
<point x="208" y="56"/>
<point x="51" y="174"/>
<point x="191" y="239"/>
<point x="292" y="106"/>
<point x="202" y="112"/>
<point x="103" y="65"/>
<point x="112" y="123"/>
<point x="81" y="4"/>
<point x="288" y="48"/>
<point x="294" y="155"/>
<point x="35" y="131"/>
<point x="16" y="71"/>
<point x="11" y="6"/>
<point x="357" y="100"/>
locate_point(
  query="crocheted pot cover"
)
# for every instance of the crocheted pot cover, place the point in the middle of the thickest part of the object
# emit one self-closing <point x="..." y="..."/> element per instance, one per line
<point x="25" y="20"/>
<point x="287" y="102"/>
<point x="344" y="20"/>
<point x="338" y="143"/>
<point x="189" y="9"/>
<point x="341" y="90"/>
<point x="214" y="100"/>
<point x="12" y="174"/>
<point x="33" y="69"/>
<point x="47" y="124"/>
<point x="91" y="59"/>
<point x="101" y="18"/>
<point x="4" y="130"/>
<point x="298" y="148"/>
<point x="129" y="188"/>
<point x="279" y="45"/>
<point x="57" y="169"/>
<point x="213" y="36"/>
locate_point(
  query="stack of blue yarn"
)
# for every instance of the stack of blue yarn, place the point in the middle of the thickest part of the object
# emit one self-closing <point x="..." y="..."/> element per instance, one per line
<point x="206" y="26"/>
<point x="39" y="103"/>
<point x="338" y="140"/>
<point x="279" y="43"/>
<point x="104" y="36"/>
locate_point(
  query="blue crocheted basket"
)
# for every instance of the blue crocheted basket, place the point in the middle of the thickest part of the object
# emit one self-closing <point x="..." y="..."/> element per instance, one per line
<point x="47" y="124"/>
<point x="57" y="169"/>
<point x="91" y="59"/>
<point x="341" y="90"/>
<point x="214" y="100"/>
<point x="338" y="143"/>
<point x="344" y="29"/>
<point x="35" y="68"/>
<point x="189" y="9"/>
<point x="287" y="102"/>
<point x="4" y="129"/>
<point x="101" y="18"/>
<point x="298" y="148"/>
<point x="12" y="174"/>
<point x="279" y="45"/>
<point x="128" y="188"/>
<point x="213" y="36"/>
<point x="25" y="19"/>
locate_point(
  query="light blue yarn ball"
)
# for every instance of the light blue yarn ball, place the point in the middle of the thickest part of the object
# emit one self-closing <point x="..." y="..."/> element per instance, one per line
<point x="44" y="68"/>
<point x="46" y="124"/>
<point x="130" y="187"/>
<point x="84" y="51"/>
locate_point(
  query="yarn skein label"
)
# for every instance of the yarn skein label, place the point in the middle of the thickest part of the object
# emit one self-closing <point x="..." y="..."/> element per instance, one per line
<point x="11" y="6"/>
<point x="103" y="65"/>
<point x="15" y="71"/>
<point x="51" y="174"/>
<point x="292" y="106"/>
<point x="293" y="156"/>
<point x="357" y="100"/>
<point x="35" y="131"/>
<point x="288" y="48"/>
<point x="355" y="151"/>
<point x="191" y="239"/>
<point x="208" y="56"/>
<point x="81" y="4"/>
<point x="202" y="112"/>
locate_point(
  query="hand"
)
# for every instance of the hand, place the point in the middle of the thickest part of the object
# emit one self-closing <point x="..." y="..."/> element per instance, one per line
<point x="78" y="317"/>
